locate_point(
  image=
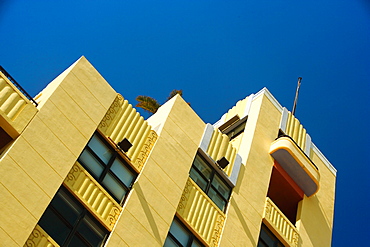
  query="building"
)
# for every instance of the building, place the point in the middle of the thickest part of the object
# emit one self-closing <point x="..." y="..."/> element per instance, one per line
<point x="80" y="167"/>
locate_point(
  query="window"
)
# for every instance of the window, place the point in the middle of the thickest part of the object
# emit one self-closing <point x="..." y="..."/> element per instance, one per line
<point x="267" y="239"/>
<point x="70" y="224"/>
<point x="180" y="236"/>
<point x="235" y="129"/>
<point x="108" y="168"/>
<point x="210" y="182"/>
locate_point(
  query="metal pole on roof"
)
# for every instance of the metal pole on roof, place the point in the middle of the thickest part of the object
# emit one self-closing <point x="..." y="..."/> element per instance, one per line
<point x="296" y="95"/>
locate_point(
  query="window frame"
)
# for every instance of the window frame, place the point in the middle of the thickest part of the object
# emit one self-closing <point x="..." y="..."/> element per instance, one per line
<point x="216" y="171"/>
<point x="272" y="238"/>
<point x="82" y="214"/>
<point x="191" y="236"/>
<point x="229" y="131"/>
<point x="116" y="155"/>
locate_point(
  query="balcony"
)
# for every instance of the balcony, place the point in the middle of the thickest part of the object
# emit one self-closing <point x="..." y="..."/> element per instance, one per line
<point x="16" y="110"/>
<point x="201" y="214"/>
<point x="89" y="192"/>
<point x="297" y="164"/>
<point x="39" y="238"/>
<point x="279" y="224"/>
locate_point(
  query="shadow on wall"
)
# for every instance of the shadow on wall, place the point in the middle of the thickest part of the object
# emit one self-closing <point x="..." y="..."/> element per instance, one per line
<point x="148" y="213"/>
<point x="236" y="208"/>
<point x="243" y="222"/>
<point x="239" y="181"/>
<point x="315" y="224"/>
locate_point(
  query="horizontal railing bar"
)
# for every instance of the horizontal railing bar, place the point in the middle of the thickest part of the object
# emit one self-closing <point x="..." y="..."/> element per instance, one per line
<point x="16" y="84"/>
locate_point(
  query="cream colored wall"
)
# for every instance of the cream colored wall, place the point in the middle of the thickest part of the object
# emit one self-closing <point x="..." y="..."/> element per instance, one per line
<point x="150" y="208"/>
<point x="315" y="222"/>
<point x="38" y="161"/>
<point x="248" y="199"/>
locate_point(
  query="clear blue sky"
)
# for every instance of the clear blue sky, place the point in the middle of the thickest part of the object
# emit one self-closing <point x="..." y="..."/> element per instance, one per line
<point x="219" y="52"/>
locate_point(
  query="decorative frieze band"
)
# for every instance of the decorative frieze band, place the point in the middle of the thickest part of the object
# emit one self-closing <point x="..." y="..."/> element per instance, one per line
<point x="93" y="195"/>
<point x="201" y="213"/>
<point x="39" y="238"/>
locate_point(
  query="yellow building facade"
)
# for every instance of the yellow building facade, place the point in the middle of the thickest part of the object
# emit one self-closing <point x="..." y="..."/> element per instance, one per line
<point x="80" y="167"/>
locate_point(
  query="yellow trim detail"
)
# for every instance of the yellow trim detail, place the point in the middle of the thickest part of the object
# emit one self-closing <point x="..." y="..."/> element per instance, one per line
<point x="295" y="129"/>
<point x="200" y="212"/>
<point x="39" y="238"/>
<point x="145" y="150"/>
<point x="220" y="146"/>
<point x="16" y="111"/>
<point x="123" y="121"/>
<point x="96" y="199"/>
<point x="279" y="224"/>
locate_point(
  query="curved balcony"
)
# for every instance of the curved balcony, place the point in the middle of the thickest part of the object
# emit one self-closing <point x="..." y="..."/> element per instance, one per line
<point x="295" y="162"/>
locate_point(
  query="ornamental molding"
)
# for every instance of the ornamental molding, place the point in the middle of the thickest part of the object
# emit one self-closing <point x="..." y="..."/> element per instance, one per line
<point x="39" y="238"/>
<point x="95" y="198"/>
<point x="145" y="150"/>
<point x="198" y="211"/>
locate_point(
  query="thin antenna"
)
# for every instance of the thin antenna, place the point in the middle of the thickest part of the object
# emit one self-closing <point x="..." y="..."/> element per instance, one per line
<point x="296" y="95"/>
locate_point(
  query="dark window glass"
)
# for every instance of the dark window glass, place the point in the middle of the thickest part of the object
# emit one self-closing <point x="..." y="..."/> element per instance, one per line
<point x="108" y="168"/>
<point x="94" y="165"/>
<point x="210" y="182"/>
<point x="76" y="242"/>
<point x="236" y="129"/>
<point x="115" y="187"/>
<point x="170" y="243"/>
<point x="180" y="236"/>
<point x="122" y="172"/>
<point x="267" y="239"/>
<point x="70" y="224"/>
<point x="217" y="198"/>
<point x="55" y="225"/>
<point x="89" y="231"/>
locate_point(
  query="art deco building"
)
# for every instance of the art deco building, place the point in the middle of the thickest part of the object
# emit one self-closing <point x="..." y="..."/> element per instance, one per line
<point x="79" y="166"/>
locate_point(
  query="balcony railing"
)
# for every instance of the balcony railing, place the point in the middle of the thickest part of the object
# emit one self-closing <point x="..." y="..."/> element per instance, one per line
<point x="280" y="224"/>
<point x="93" y="196"/>
<point x="15" y="83"/>
<point x="16" y="110"/>
<point x="199" y="212"/>
<point x="39" y="238"/>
